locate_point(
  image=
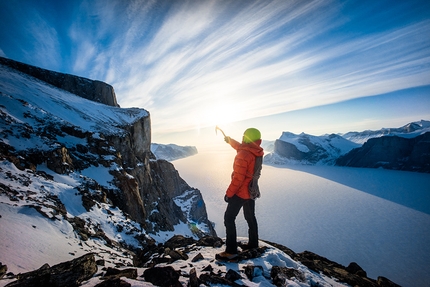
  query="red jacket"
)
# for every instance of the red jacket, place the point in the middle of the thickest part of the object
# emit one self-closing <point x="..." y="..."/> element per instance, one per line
<point x="243" y="167"/>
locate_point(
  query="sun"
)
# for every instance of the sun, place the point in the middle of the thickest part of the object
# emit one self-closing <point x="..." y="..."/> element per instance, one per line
<point x="218" y="114"/>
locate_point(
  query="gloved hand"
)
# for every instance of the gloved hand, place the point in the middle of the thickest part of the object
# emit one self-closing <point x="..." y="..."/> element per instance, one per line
<point x="226" y="198"/>
<point x="227" y="139"/>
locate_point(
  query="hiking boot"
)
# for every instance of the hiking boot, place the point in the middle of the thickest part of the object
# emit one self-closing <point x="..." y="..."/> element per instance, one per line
<point x="225" y="256"/>
<point x="247" y="247"/>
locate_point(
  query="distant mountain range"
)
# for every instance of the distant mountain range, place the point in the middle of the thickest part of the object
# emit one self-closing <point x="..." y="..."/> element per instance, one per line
<point x="172" y="152"/>
<point x="404" y="148"/>
<point x="408" y="131"/>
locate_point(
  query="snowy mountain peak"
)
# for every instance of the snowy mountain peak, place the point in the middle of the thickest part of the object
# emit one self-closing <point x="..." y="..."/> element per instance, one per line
<point x="308" y="149"/>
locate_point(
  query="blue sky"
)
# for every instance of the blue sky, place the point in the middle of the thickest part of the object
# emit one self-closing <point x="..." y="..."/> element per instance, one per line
<point x="300" y="66"/>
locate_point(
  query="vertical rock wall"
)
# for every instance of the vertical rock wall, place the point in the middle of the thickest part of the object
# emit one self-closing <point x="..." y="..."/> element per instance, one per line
<point x="96" y="91"/>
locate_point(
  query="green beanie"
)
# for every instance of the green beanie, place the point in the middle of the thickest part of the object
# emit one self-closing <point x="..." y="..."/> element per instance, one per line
<point x="251" y="135"/>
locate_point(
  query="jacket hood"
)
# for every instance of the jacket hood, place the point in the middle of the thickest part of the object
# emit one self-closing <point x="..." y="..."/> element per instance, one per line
<point x="253" y="147"/>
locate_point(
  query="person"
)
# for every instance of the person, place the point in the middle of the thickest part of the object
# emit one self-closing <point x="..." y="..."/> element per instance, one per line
<point x="237" y="194"/>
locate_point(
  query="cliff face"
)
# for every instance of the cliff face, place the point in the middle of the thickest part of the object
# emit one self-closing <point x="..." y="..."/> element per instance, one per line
<point x="117" y="142"/>
<point x="391" y="152"/>
<point x="92" y="90"/>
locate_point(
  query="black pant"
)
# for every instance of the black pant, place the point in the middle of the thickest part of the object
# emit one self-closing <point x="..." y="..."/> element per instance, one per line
<point x="235" y="203"/>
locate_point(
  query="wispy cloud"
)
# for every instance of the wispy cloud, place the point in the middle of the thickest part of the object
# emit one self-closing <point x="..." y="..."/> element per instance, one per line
<point x="189" y="62"/>
<point x="264" y="59"/>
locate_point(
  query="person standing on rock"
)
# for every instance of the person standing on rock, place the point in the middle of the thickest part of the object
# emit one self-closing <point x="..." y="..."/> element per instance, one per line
<point x="238" y="192"/>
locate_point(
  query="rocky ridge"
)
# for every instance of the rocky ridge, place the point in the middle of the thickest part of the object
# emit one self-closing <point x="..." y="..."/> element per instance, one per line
<point x="183" y="261"/>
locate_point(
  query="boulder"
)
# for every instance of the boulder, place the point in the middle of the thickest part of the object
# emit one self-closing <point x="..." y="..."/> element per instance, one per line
<point x="67" y="274"/>
<point x="280" y="275"/>
<point x="162" y="276"/>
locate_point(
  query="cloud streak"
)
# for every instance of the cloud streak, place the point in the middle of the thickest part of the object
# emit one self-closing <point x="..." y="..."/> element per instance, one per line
<point x="191" y="63"/>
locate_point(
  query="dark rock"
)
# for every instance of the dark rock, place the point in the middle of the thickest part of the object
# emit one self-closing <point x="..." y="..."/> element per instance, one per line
<point x="194" y="281"/>
<point x="198" y="257"/>
<point x="212" y="241"/>
<point x="353" y="275"/>
<point x="79" y="225"/>
<point x="354" y="268"/>
<point x="385" y="282"/>
<point x="332" y="269"/>
<point x="280" y="275"/>
<point x="116" y="282"/>
<point x="65" y="274"/>
<point x="162" y="276"/>
<point x="176" y="254"/>
<point x="252" y="253"/>
<point x="179" y="241"/>
<point x="142" y="257"/>
<point x="252" y="271"/>
<point x="3" y="270"/>
<point x="208" y="268"/>
<point x="391" y="152"/>
<point x="100" y="262"/>
<point x="60" y="161"/>
<point x="112" y="273"/>
<point x="232" y="275"/>
<point x="209" y="279"/>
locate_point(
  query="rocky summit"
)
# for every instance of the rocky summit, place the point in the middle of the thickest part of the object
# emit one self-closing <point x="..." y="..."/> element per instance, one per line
<point x="183" y="261"/>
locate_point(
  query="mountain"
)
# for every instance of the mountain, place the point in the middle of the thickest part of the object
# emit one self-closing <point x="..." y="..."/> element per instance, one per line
<point x="404" y="148"/>
<point x="410" y="130"/>
<point x="308" y="149"/>
<point x="391" y="152"/>
<point x="171" y="152"/>
<point x="105" y="150"/>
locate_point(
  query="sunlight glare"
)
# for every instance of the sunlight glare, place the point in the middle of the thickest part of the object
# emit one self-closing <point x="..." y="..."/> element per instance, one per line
<point x="219" y="114"/>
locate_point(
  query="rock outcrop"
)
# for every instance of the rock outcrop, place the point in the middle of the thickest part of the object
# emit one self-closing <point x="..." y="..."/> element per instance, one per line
<point x="391" y="152"/>
<point x="96" y="91"/>
<point x="70" y="273"/>
<point x="353" y="274"/>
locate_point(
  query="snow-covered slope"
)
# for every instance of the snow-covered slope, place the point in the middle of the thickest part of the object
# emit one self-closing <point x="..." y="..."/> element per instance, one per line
<point x="172" y="152"/>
